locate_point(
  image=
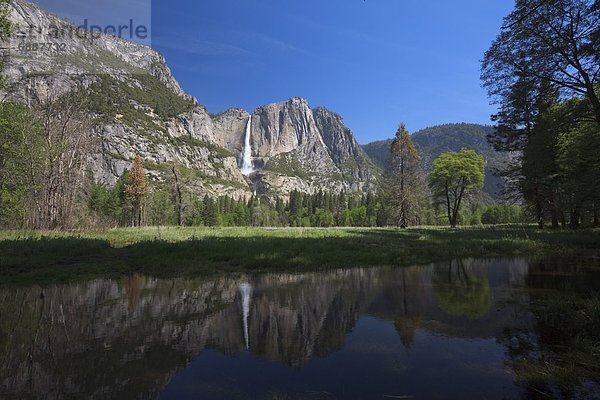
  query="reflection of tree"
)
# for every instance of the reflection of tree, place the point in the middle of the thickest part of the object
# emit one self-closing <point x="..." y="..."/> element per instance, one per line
<point x="139" y="331"/>
<point x="409" y="304"/>
<point x="133" y="287"/>
<point x="407" y="328"/>
<point x="460" y="292"/>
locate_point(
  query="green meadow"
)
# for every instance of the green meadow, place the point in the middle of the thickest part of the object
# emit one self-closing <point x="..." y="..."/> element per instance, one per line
<point x="52" y="257"/>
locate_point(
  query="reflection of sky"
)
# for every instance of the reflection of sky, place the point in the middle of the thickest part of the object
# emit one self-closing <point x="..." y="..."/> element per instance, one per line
<point x="103" y="13"/>
<point x="373" y="363"/>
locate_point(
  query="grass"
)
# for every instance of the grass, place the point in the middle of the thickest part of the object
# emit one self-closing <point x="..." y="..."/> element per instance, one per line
<point x="52" y="257"/>
<point x="569" y="331"/>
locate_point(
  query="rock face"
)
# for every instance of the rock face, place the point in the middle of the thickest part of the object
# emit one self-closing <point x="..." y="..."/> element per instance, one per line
<point x="106" y="54"/>
<point x="293" y="146"/>
<point x="293" y="141"/>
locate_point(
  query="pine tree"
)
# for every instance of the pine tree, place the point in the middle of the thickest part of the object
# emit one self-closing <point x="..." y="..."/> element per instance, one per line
<point x="210" y="214"/>
<point x="404" y="180"/>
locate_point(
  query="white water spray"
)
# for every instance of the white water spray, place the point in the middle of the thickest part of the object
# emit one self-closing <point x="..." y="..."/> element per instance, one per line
<point x="246" y="291"/>
<point x="247" y="167"/>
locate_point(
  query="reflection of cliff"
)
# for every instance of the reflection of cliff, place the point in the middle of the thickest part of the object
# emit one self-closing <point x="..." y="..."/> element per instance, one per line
<point x="130" y="337"/>
<point x="87" y="339"/>
<point x="126" y="339"/>
<point x="307" y="315"/>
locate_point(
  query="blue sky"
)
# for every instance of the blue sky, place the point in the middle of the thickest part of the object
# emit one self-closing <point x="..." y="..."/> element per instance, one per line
<point x="375" y="62"/>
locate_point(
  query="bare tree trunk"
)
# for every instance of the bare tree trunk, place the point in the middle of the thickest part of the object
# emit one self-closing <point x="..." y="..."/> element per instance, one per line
<point x="67" y="129"/>
<point x="448" y="206"/>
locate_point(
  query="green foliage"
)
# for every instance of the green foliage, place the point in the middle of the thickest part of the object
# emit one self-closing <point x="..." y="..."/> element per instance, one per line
<point x="110" y="205"/>
<point x="105" y="202"/>
<point x="161" y="210"/>
<point x="549" y="43"/>
<point x="453" y="176"/>
<point x="323" y="218"/>
<point x="578" y="162"/>
<point x="501" y="214"/>
<point x="209" y="211"/>
<point x="135" y="99"/>
<point x="287" y="164"/>
<point x="20" y="150"/>
<point x="6" y="30"/>
<point x="403" y="186"/>
<point x="542" y="69"/>
<point x="47" y="257"/>
<point x="193" y="212"/>
<point x="434" y="141"/>
<point x="459" y="292"/>
<point x="558" y="176"/>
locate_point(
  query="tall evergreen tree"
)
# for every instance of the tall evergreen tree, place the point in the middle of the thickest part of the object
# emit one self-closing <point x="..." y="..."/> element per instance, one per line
<point x="210" y="213"/>
<point x="404" y="181"/>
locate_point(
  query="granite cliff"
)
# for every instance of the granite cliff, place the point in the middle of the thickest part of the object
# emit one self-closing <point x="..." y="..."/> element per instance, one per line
<point x="138" y="107"/>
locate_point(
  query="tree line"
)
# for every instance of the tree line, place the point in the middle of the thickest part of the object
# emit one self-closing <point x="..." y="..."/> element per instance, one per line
<point x="130" y="202"/>
<point x="548" y="117"/>
<point x="45" y="183"/>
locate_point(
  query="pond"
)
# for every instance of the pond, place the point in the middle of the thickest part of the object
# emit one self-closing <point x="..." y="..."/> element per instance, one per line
<point x="470" y="329"/>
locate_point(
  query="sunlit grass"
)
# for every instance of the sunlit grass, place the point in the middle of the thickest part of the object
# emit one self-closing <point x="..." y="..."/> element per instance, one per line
<point x="50" y="256"/>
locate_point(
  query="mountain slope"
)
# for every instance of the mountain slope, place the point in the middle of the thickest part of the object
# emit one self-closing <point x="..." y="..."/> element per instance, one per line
<point x="139" y="108"/>
<point x="431" y="142"/>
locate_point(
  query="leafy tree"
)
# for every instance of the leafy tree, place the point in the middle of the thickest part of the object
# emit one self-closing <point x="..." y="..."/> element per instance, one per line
<point x="544" y="71"/>
<point x="577" y="161"/>
<point x="550" y="41"/>
<point x="136" y="190"/>
<point x="323" y="218"/>
<point x="453" y="176"/>
<point x="20" y="163"/>
<point x="501" y="214"/>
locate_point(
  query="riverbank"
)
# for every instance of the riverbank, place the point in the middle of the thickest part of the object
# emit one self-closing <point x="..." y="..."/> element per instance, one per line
<point x="50" y="257"/>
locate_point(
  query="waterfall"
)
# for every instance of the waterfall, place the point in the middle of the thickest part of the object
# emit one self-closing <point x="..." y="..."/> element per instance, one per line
<point x="246" y="291"/>
<point x="247" y="167"/>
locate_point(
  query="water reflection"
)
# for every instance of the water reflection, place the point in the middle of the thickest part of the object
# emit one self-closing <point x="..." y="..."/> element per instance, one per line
<point x="462" y="289"/>
<point x="466" y="328"/>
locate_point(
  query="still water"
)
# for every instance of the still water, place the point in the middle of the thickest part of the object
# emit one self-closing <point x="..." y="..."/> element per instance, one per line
<point x="466" y="329"/>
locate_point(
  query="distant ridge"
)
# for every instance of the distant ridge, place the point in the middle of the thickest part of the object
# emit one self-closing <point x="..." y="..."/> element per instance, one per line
<point x="435" y="140"/>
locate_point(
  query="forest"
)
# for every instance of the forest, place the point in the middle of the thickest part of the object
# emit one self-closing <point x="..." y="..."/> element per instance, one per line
<point x="543" y="72"/>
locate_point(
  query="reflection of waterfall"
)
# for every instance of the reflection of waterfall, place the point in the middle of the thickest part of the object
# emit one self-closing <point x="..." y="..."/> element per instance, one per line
<point x="247" y="167"/>
<point x="246" y="291"/>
